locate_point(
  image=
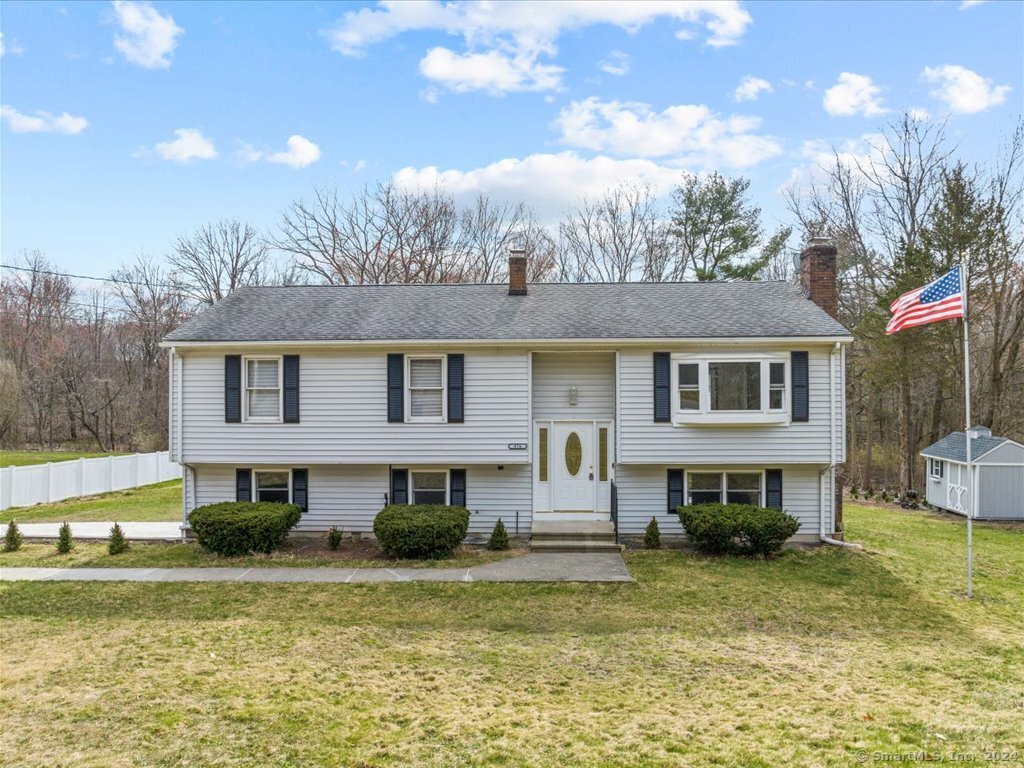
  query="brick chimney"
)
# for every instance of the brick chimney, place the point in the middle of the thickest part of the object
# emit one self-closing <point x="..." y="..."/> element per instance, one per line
<point x="818" y="274"/>
<point x="517" y="272"/>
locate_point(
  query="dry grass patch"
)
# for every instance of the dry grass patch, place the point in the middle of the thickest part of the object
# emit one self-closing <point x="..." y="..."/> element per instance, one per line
<point x="799" y="660"/>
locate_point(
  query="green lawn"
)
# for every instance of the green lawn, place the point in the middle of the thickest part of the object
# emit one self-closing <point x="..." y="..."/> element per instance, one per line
<point x="803" y="660"/>
<point x="24" y="458"/>
<point x="294" y="555"/>
<point x="147" y="503"/>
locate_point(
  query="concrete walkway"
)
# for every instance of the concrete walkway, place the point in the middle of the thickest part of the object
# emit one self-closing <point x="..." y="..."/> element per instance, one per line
<point x="169" y="531"/>
<point x="548" y="567"/>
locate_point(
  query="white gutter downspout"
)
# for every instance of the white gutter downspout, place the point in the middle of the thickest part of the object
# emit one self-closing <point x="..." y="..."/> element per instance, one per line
<point x="823" y="528"/>
<point x="178" y="376"/>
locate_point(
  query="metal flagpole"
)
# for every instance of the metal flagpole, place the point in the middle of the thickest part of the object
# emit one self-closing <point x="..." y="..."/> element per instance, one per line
<point x="967" y="436"/>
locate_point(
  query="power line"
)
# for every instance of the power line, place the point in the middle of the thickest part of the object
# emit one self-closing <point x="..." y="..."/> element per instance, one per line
<point x="85" y="277"/>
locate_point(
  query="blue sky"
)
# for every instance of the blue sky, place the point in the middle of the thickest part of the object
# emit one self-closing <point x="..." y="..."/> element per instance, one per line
<point x="125" y="124"/>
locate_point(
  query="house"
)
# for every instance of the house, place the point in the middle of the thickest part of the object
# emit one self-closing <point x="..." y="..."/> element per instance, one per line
<point x="533" y="403"/>
<point x="997" y="464"/>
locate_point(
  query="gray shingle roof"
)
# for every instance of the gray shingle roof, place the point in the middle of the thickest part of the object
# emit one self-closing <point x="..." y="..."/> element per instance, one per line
<point x="549" y="311"/>
<point x="953" y="447"/>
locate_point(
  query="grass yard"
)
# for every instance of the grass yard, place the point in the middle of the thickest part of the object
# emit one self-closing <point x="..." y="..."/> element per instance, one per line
<point x="24" y="458"/>
<point x="147" y="503"/>
<point x="297" y="553"/>
<point x="801" y="660"/>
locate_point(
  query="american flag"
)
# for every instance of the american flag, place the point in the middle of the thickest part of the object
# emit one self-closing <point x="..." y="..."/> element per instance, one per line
<point x="941" y="299"/>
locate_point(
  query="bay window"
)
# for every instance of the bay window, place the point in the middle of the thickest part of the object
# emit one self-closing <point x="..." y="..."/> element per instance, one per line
<point x="731" y="388"/>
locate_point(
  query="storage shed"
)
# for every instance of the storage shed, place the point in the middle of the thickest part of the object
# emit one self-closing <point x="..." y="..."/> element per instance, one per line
<point x="998" y="469"/>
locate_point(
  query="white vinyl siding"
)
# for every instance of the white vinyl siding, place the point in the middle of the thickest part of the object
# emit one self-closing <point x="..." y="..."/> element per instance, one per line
<point x="350" y="496"/>
<point x="643" y="441"/>
<point x="643" y="493"/>
<point x="593" y="375"/>
<point x="344" y="415"/>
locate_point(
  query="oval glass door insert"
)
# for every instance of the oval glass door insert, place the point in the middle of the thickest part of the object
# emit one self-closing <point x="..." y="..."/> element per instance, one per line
<point x="573" y="454"/>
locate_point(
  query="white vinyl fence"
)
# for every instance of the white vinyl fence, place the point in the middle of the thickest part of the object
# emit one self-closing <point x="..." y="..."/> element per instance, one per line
<point x="43" y="483"/>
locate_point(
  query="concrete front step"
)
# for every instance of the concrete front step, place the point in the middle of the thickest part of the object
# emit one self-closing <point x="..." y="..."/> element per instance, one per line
<point x="574" y="545"/>
<point x="573" y="536"/>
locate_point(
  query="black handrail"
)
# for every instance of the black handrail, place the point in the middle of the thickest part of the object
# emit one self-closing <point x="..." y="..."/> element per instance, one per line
<point x="615" y="510"/>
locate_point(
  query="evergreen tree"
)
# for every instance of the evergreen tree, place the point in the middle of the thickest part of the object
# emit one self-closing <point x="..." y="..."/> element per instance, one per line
<point x="652" y="536"/>
<point x="64" y="541"/>
<point x="118" y="543"/>
<point x="13" y="538"/>
<point x="499" y="537"/>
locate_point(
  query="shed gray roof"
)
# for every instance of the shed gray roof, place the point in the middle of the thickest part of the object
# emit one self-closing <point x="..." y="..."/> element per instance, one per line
<point x="953" y="447"/>
<point x="550" y="311"/>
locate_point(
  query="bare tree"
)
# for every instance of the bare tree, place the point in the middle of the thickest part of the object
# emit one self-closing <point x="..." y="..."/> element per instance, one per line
<point x="616" y="237"/>
<point x="218" y="258"/>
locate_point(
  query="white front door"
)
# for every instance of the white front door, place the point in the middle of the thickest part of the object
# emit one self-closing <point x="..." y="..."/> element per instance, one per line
<point x="572" y="462"/>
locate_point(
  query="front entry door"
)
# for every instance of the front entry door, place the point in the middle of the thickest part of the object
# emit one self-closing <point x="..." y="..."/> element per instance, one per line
<point x="572" y="461"/>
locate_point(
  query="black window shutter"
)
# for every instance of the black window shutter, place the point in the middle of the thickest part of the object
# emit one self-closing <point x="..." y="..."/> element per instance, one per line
<point x="457" y="489"/>
<point x="396" y="384"/>
<point x="798" y="372"/>
<point x="456" y="373"/>
<point x="243" y="485"/>
<point x="232" y="388"/>
<point x="291" y="389"/>
<point x="399" y="486"/>
<point x="675" y="490"/>
<point x="662" y="384"/>
<point x="773" y="488"/>
<point x="300" y="488"/>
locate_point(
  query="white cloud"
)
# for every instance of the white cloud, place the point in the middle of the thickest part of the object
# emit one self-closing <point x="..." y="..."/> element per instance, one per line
<point x="750" y="88"/>
<point x="550" y="182"/>
<point x="42" y="122"/>
<point x="854" y="95"/>
<point x="493" y="72"/>
<point x="616" y="63"/>
<point x="919" y="113"/>
<point x="189" y="145"/>
<point x="964" y="91"/>
<point x="301" y="152"/>
<point x="147" y="38"/>
<point x="691" y="134"/>
<point x="967" y="4"/>
<point x="11" y="48"/>
<point x="819" y="157"/>
<point x="512" y="36"/>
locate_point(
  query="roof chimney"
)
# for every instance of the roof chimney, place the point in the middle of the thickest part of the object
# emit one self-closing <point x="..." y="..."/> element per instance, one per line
<point x="517" y="272"/>
<point x="818" y="274"/>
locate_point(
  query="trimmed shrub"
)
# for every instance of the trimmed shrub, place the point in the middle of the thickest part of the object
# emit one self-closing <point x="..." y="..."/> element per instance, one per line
<point x="652" y="535"/>
<point x="420" y="530"/>
<point x="117" y="543"/>
<point x="13" y="538"/>
<point x="740" y="528"/>
<point x="334" y="537"/>
<point x="240" y="527"/>
<point x="499" y="538"/>
<point x="64" y="541"/>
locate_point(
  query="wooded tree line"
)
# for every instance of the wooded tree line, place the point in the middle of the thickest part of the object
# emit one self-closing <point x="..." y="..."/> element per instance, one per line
<point x="80" y="362"/>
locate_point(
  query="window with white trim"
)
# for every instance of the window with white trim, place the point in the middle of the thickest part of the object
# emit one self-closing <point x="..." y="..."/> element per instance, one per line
<point x="272" y="485"/>
<point x="429" y="487"/>
<point x="425" y="377"/>
<point x="724" y="488"/>
<point x="937" y="468"/>
<point x="730" y="388"/>
<point x="262" y="388"/>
